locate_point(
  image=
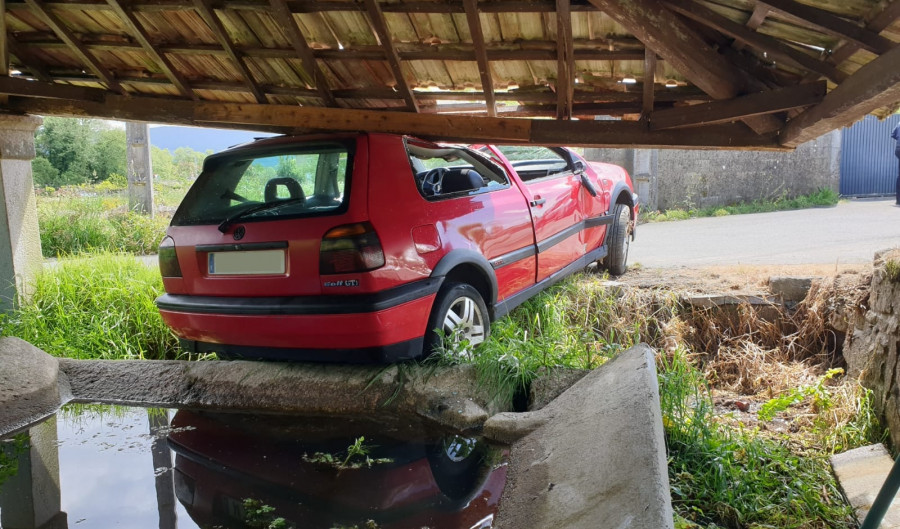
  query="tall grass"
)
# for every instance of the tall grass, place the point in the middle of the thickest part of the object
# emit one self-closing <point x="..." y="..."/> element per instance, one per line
<point x="822" y="197"/>
<point x="101" y="306"/>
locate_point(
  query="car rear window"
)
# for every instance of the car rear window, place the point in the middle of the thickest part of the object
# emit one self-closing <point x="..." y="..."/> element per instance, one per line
<point x="251" y="186"/>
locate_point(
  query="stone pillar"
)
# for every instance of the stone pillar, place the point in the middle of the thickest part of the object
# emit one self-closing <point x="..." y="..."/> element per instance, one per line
<point x="641" y="164"/>
<point x="20" y="242"/>
<point x="140" y="170"/>
<point x="30" y="499"/>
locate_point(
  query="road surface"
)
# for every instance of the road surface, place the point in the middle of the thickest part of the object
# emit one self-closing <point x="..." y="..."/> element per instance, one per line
<point x="848" y="233"/>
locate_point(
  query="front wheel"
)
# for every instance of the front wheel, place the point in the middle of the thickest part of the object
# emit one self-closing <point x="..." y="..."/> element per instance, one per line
<point x="619" y="236"/>
<point x="462" y="318"/>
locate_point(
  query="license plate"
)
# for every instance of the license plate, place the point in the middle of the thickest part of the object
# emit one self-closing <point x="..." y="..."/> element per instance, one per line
<point x="260" y="262"/>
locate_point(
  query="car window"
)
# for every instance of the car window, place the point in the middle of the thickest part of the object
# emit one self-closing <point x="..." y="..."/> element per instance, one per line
<point x="445" y="171"/>
<point x="311" y="181"/>
<point x="532" y="162"/>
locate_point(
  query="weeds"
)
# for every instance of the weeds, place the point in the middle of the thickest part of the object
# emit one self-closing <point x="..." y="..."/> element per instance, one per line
<point x="101" y="307"/>
<point x="355" y="457"/>
<point x="892" y="271"/>
<point x="822" y="197"/>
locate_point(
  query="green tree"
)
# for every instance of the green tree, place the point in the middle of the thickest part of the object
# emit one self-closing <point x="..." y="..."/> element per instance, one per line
<point x="162" y="162"/>
<point x="188" y="162"/>
<point x="109" y="154"/>
<point x="79" y="151"/>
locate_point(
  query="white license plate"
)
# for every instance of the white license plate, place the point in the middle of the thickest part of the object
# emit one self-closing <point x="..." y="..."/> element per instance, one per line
<point x="260" y="262"/>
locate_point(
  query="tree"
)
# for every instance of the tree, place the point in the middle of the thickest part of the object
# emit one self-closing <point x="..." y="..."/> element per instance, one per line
<point x="79" y="150"/>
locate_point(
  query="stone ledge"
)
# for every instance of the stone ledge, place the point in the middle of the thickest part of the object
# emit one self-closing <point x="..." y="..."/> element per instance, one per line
<point x="30" y="385"/>
<point x="861" y="473"/>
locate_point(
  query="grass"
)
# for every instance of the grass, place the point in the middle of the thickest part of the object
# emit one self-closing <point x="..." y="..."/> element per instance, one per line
<point x="822" y="197"/>
<point x="96" y="307"/>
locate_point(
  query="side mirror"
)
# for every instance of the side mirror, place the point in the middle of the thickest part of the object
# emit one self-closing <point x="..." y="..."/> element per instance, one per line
<point x="578" y="167"/>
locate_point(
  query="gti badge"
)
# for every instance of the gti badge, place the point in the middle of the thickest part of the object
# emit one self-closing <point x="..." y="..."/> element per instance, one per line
<point x="239" y="233"/>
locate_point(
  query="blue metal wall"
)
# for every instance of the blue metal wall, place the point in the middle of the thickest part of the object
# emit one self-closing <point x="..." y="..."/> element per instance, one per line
<point x="868" y="164"/>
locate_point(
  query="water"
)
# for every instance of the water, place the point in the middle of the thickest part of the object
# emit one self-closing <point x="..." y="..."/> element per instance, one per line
<point x="101" y="466"/>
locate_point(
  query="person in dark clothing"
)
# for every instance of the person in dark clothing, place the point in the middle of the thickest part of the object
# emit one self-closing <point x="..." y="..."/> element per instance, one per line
<point x="896" y="135"/>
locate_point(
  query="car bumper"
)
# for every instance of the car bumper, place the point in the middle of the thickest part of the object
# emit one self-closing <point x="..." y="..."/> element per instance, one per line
<point x="386" y="326"/>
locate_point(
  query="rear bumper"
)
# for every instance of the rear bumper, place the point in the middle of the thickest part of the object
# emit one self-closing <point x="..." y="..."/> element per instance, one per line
<point x="386" y="326"/>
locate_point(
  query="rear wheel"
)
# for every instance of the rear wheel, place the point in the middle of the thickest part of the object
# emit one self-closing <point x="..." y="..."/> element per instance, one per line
<point x="619" y="237"/>
<point x="461" y="316"/>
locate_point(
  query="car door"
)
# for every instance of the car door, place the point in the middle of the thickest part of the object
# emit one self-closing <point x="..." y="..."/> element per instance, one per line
<point x="595" y="200"/>
<point x="553" y="191"/>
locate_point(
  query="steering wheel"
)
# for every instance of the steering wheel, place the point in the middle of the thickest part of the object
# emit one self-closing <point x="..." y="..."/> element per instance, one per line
<point x="433" y="179"/>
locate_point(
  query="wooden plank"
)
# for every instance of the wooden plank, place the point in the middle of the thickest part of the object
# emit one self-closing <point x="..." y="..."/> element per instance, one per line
<point x="774" y="48"/>
<point x="4" y="48"/>
<point x="649" y="83"/>
<point x="137" y="31"/>
<point x="66" y="35"/>
<point x="27" y="60"/>
<point x="880" y="20"/>
<point x="565" y="60"/>
<point x="285" y="20"/>
<point x="760" y="11"/>
<point x="484" y="69"/>
<point x="767" y="102"/>
<point x="205" y="10"/>
<point x="379" y="26"/>
<point x="828" y="23"/>
<point x="16" y="86"/>
<point x="284" y="118"/>
<point x="873" y="86"/>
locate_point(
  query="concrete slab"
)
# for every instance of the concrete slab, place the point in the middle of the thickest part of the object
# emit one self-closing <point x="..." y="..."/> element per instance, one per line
<point x="29" y="384"/>
<point x="594" y="458"/>
<point x="861" y="473"/>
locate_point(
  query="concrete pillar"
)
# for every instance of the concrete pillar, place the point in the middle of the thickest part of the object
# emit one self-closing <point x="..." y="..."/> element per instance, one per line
<point x="20" y="242"/>
<point x="140" y="171"/>
<point x="30" y="499"/>
<point x="645" y="175"/>
<point x="165" y="480"/>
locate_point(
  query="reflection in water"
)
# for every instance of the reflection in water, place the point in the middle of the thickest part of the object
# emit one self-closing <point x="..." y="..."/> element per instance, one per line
<point x="314" y="475"/>
<point x="98" y="466"/>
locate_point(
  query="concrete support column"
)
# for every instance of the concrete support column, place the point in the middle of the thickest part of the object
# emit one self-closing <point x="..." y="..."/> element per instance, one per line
<point x="641" y="164"/>
<point x="20" y="242"/>
<point x="30" y="499"/>
<point x="140" y="170"/>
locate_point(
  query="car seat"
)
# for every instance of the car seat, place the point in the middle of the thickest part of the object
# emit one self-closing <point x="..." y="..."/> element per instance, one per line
<point x="457" y="180"/>
<point x="293" y="187"/>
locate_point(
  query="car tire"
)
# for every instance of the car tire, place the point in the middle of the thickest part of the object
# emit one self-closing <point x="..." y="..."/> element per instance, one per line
<point x="462" y="304"/>
<point x="455" y="463"/>
<point x="619" y="236"/>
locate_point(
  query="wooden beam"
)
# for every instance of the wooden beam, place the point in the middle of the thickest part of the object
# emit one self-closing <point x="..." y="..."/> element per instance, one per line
<point x="774" y="48"/>
<point x="27" y="60"/>
<point x="65" y="34"/>
<point x="879" y="21"/>
<point x="767" y="102"/>
<point x="285" y="20"/>
<point x="873" y="86"/>
<point x="17" y="86"/>
<point x="828" y="23"/>
<point x="284" y="118"/>
<point x="379" y="26"/>
<point x="4" y="48"/>
<point x="760" y="12"/>
<point x="565" y="60"/>
<point x="137" y="31"/>
<point x="205" y="10"/>
<point x="649" y="83"/>
<point x="484" y="69"/>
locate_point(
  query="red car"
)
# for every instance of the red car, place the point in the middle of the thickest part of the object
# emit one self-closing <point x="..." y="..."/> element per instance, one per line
<point x="360" y="247"/>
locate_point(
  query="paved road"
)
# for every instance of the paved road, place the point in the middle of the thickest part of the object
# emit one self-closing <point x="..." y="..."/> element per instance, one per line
<point x="850" y="232"/>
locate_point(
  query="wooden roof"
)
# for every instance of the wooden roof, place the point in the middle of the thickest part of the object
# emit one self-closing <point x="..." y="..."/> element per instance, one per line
<point x="720" y="73"/>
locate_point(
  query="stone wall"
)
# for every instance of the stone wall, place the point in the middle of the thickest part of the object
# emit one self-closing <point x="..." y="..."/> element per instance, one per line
<point x="671" y="178"/>
<point x="871" y="350"/>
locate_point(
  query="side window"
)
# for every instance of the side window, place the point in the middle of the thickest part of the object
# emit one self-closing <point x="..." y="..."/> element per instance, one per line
<point x="533" y="162"/>
<point x="444" y="172"/>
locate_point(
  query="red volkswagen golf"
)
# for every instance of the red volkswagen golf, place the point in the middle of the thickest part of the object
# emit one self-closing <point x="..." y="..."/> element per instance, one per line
<point x="364" y="247"/>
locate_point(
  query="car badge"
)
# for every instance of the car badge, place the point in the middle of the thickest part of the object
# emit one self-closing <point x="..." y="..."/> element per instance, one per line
<point x="239" y="233"/>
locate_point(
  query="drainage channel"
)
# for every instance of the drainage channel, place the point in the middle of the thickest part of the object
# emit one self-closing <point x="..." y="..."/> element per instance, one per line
<point x="105" y="466"/>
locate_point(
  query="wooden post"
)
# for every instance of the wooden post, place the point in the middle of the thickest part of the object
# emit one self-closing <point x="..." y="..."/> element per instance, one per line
<point x="140" y="171"/>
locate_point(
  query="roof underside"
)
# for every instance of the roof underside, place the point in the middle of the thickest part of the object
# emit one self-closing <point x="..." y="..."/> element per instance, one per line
<point x="724" y="73"/>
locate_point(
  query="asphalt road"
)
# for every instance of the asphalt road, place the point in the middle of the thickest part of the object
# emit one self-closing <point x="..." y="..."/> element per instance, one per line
<point x="848" y="233"/>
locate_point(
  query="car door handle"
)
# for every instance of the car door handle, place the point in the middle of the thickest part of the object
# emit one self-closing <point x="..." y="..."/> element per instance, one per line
<point x="537" y="202"/>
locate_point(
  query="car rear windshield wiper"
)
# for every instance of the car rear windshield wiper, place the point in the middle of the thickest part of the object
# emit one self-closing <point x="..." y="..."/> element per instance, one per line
<point x="256" y="209"/>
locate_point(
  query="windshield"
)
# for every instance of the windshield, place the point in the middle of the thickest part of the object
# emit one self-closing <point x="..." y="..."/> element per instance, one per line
<point x="302" y="181"/>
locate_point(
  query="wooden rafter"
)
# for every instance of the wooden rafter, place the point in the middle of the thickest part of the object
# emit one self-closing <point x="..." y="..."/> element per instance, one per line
<point x="649" y="83"/>
<point x="774" y="48"/>
<point x="285" y="19"/>
<point x="767" y="102"/>
<point x="27" y="60"/>
<point x="873" y="86"/>
<point x="831" y="24"/>
<point x="376" y="17"/>
<point x="4" y="47"/>
<point x="565" y="57"/>
<point x="205" y="9"/>
<point x="757" y="17"/>
<point x="878" y="23"/>
<point x="484" y="68"/>
<point x="163" y="62"/>
<point x="66" y="35"/>
<point x="284" y="118"/>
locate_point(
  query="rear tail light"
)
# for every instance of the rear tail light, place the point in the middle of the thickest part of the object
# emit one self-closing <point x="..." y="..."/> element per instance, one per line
<point x="168" y="261"/>
<point x="350" y="248"/>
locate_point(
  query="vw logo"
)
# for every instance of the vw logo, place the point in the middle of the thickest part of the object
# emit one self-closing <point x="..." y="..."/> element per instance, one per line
<point x="239" y="233"/>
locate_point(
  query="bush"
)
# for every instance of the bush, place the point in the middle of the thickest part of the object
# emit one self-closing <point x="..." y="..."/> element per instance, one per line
<point x="100" y="306"/>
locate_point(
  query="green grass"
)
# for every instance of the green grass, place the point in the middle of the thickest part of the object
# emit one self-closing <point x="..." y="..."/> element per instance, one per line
<point x="823" y="197"/>
<point x="100" y="307"/>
